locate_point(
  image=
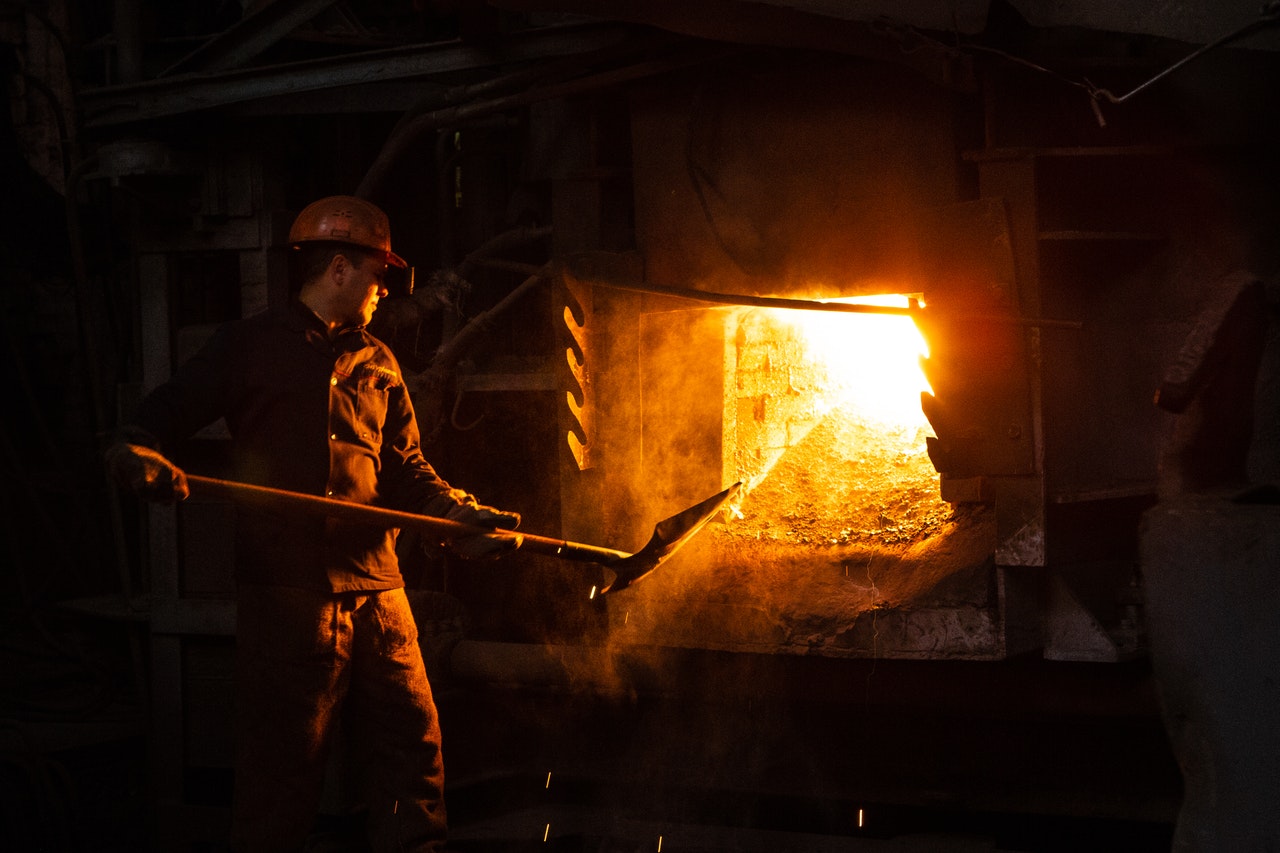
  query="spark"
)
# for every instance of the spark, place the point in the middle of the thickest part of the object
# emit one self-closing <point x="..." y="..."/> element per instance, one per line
<point x="548" y="785"/>
<point x="593" y="593"/>
<point x="659" y="844"/>
<point x="859" y="818"/>
<point x="545" y="833"/>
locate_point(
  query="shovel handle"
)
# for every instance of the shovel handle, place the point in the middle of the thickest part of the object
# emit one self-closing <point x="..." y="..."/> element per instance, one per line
<point x="440" y="528"/>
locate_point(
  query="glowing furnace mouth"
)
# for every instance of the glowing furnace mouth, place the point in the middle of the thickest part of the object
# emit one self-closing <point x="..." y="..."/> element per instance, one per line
<point x="829" y="434"/>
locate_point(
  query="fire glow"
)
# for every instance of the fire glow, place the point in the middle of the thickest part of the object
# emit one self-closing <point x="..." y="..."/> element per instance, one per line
<point x="830" y="433"/>
<point x="873" y="361"/>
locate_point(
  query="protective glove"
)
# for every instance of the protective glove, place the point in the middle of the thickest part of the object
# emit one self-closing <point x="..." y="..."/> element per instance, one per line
<point x="146" y="473"/>
<point x="457" y="505"/>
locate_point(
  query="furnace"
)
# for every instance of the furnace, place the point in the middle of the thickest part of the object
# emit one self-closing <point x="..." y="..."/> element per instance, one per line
<point x="841" y="543"/>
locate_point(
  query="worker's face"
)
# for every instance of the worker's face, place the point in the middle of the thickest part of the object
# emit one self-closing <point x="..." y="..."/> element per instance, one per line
<point x="363" y="287"/>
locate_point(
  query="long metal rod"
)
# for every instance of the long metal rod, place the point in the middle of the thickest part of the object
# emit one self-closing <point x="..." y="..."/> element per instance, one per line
<point x="838" y="307"/>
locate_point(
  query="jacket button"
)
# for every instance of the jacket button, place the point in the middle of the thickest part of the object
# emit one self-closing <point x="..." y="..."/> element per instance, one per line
<point x="333" y="380"/>
<point x="333" y="437"/>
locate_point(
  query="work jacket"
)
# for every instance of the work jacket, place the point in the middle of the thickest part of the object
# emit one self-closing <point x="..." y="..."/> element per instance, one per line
<point x="324" y="417"/>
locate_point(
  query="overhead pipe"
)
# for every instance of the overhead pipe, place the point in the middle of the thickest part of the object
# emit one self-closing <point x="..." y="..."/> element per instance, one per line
<point x="438" y="101"/>
<point x="184" y="93"/>
<point x="409" y="131"/>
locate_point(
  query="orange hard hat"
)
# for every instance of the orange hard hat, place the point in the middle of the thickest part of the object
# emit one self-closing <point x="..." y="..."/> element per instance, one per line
<point x="346" y="219"/>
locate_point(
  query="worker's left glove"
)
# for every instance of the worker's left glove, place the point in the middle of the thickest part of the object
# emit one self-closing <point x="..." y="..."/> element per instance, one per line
<point x="457" y="505"/>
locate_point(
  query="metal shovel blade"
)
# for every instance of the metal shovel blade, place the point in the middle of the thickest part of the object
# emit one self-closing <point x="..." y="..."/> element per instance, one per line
<point x="669" y="535"/>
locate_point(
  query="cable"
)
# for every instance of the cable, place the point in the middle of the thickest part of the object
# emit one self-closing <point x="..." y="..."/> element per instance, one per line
<point x="1269" y="16"/>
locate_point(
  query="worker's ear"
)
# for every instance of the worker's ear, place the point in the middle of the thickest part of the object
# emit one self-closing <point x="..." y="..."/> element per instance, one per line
<point x="339" y="269"/>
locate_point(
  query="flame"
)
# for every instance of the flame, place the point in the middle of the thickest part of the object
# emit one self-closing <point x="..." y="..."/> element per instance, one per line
<point x="872" y="360"/>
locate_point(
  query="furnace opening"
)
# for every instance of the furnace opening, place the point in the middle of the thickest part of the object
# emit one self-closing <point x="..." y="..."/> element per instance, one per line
<point x="829" y="433"/>
<point x="842" y="530"/>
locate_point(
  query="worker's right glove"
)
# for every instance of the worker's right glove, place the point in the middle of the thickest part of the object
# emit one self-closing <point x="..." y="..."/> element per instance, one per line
<point x="146" y="472"/>
<point x="457" y="505"/>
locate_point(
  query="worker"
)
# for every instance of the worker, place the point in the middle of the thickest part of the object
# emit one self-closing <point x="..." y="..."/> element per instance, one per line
<point x="324" y="633"/>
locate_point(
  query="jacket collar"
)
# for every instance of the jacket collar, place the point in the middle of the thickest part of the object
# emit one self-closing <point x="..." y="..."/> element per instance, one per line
<point x="302" y="319"/>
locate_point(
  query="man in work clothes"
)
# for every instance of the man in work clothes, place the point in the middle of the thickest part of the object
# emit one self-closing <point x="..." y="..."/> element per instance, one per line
<point x="315" y="404"/>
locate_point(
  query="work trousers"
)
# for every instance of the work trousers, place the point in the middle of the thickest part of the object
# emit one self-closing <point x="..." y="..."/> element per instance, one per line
<point x="306" y="661"/>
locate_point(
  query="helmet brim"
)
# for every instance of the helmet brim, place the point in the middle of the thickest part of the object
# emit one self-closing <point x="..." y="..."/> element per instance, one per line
<point x="389" y="257"/>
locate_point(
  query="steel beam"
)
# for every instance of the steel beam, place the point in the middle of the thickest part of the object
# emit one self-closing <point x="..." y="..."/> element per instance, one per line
<point x="185" y="93"/>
